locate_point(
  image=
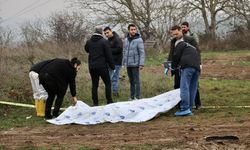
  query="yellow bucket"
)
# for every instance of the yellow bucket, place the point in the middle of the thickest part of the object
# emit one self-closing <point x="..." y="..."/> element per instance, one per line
<point x="40" y="107"/>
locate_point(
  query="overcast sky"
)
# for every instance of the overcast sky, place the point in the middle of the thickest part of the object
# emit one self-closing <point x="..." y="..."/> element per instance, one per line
<point x="14" y="12"/>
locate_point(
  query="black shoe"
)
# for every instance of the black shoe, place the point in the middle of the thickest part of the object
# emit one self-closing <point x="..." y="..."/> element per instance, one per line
<point x="47" y="117"/>
<point x="55" y="115"/>
<point x="110" y="101"/>
<point x="116" y="94"/>
<point x="197" y="107"/>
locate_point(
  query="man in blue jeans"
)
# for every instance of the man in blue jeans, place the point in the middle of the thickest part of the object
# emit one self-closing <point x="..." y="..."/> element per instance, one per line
<point x="116" y="49"/>
<point x="187" y="59"/>
<point x="133" y="59"/>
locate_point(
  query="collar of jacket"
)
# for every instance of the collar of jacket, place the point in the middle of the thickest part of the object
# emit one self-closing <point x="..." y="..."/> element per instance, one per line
<point x="114" y="36"/>
<point x="96" y="37"/>
<point x="137" y="35"/>
<point x="98" y="34"/>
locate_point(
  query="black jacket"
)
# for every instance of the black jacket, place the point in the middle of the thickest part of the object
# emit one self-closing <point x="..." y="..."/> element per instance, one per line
<point x="62" y="73"/>
<point x="99" y="52"/>
<point x="38" y="66"/>
<point x="186" y="38"/>
<point x="185" y="55"/>
<point x="116" y="48"/>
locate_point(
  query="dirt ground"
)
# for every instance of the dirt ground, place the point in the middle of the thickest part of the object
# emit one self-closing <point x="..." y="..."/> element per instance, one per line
<point x="168" y="134"/>
<point x="159" y="131"/>
<point x="219" y="68"/>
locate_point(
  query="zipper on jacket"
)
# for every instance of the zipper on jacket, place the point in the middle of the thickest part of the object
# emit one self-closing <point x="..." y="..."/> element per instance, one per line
<point x="128" y="51"/>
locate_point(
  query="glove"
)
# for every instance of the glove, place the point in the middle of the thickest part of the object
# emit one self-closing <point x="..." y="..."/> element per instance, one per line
<point x="166" y="71"/>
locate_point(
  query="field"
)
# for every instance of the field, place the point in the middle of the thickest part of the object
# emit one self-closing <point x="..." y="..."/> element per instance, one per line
<point x="224" y="84"/>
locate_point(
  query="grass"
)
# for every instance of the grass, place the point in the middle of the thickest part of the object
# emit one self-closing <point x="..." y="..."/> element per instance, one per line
<point x="219" y="92"/>
<point x="213" y="93"/>
<point x="13" y="116"/>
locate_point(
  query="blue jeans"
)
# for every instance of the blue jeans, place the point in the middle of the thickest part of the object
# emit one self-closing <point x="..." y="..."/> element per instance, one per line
<point x="134" y="80"/>
<point x="114" y="76"/>
<point x="188" y="87"/>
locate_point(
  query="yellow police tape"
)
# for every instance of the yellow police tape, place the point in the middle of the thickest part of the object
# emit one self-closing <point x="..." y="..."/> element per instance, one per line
<point x="22" y="105"/>
<point x="33" y="106"/>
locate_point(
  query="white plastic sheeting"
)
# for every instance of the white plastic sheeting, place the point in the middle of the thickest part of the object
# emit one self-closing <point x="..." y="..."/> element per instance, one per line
<point x="129" y="111"/>
<point x="38" y="90"/>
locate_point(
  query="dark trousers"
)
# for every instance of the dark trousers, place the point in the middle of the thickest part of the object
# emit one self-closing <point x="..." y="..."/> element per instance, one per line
<point x="52" y="89"/>
<point x="134" y="80"/>
<point x="177" y="80"/>
<point x="95" y="74"/>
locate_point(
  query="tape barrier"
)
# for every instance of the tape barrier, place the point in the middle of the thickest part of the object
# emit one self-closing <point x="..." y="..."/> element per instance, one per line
<point x="22" y="105"/>
<point x="33" y="106"/>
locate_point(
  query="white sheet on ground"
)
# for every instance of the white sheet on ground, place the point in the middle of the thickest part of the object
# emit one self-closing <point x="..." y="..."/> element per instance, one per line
<point x="129" y="111"/>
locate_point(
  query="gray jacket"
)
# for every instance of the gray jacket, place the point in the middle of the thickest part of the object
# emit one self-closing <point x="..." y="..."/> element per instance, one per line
<point x="133" y="51"/>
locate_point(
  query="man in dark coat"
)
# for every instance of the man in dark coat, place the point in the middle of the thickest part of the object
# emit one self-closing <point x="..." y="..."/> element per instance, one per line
<point x="192" y="39"/>
<point x="176" y="73"/>
<point x="186" y="59"/>
<point x="116" y="49"/>
<point x="55" y="77"/>
<point x="100" y="60"/>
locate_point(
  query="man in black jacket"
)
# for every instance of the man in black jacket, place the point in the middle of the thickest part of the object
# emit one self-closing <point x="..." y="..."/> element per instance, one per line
<point x="185" y="58"/>
<point x="176" y="73"/>
<point x="116" y="49"/>
<point x="100" y="60"/>
<point x="192" y="39"/>
<point x="55" y="77"/>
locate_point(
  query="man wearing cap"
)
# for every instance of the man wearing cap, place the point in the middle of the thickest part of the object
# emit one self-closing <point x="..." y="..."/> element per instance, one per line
<point x="100" y="60"/>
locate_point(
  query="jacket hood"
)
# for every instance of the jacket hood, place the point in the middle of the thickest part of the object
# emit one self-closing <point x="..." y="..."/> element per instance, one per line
<point x="96" y="37"/>
<point x="137" y="35"/>
<point x="115" y="35"/>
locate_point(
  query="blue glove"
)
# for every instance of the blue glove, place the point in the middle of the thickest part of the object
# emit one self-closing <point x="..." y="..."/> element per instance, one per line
<point x="166" y="71"/>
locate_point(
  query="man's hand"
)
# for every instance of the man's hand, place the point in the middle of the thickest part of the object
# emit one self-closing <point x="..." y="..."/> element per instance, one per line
<point x="166" y="71"/>
<point x="141" y="67"/>
<point x="74" y="100"/>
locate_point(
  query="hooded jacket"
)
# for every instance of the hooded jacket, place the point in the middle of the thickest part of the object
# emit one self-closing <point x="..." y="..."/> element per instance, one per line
<point x="99" y="52"/>
<point x="116" y="48"/>
<point x="133" y="51"/>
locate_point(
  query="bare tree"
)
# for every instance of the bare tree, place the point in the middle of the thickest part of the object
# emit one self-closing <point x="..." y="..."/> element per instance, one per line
<point x="213" y="12"/>
<point x="33" y="35"/>
<point x="242" y="11"/>
<point x="6" y="38"/>
<point x="68" y="30"/>
<point x="152" y="17"/>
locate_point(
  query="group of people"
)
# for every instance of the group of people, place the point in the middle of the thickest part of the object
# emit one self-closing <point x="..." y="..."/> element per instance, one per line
<point x="105" y="59"/>
<point x="107" y="56"/>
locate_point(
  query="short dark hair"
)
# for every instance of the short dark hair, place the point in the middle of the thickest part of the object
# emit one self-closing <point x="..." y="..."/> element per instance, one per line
<point x="185" y="23"/>
<point x="107" y="28"/>
<point x="131" y="25"/>
<point x="175" y="27"/>
<point x="75" y="61"/>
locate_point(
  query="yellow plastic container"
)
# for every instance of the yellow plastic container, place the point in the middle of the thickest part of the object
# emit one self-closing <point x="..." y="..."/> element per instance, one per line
<point x="40" y="107"/>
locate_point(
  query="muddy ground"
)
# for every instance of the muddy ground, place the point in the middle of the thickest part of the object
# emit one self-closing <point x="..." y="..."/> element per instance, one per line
<point x="161" y="131"/>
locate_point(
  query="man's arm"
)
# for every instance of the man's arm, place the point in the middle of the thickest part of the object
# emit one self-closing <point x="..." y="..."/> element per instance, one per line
<point x="141" y="52"/>
<point x="108" y="54"/>
<point x="178" y="54"/>
<point x="118" y="47"/>
<point x="86" y="47"/>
